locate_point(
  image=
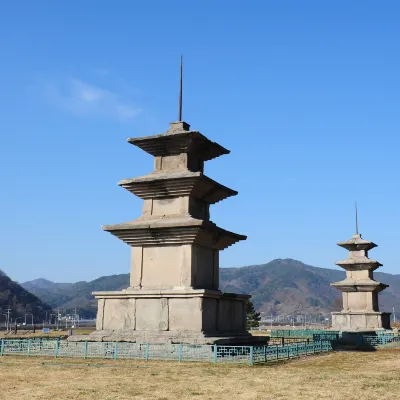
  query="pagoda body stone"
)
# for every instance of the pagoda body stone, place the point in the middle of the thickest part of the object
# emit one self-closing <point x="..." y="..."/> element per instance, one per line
<point x="359" y="290"/>
<point x="174" y="291"/>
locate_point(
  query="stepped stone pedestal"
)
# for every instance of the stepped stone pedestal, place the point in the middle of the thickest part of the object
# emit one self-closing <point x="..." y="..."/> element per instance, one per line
<point x="174" y="291"/>
<point x="360" y="312"/>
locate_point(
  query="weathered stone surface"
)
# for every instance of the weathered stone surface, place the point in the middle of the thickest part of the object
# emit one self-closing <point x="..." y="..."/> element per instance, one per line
<point x="181" y="266"/>
<point x="162" y="266"/>
<point x="118" y="313"/>
<point x="360" y="322"/>
<point x="100" y="315"/>
<point x="211" y="313"/>
<point x="186" y="314"/>
<point x="151" y="314"/>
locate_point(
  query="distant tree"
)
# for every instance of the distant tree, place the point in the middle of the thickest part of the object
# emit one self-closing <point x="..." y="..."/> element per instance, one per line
<point x="252" y="317"/>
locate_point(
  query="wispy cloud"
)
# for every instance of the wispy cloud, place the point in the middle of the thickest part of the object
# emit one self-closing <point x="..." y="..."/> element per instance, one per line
<point x="82" y="98"/>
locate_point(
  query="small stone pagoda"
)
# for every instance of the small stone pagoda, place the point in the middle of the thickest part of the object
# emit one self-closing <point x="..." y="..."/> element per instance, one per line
<point x="359" y="290"/>
<point x="174" y="294"/>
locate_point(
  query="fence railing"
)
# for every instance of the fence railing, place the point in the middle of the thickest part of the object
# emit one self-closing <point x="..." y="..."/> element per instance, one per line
<point x="281" y="340"/>
<point x="379" y="341"/>
<point x="332" y="336"/>
<point x="386" y="333"/>
<point x="300" y="332"/>
<point x="161" y="351"/>
<point x="274" y="353"/>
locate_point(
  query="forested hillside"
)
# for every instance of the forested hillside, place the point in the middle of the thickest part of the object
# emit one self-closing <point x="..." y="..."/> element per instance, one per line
<point x="19" y="300"/>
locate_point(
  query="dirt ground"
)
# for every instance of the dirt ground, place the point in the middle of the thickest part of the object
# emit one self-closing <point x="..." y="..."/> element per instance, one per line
<point x="339" y="375"/>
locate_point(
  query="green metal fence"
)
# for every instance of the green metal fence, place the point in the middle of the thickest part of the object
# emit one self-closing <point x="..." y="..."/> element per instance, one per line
<point x="274" y="353"/>
<point x="379" y="341"/>
<point x="332" y="336"/>
<point x="386" y="333"/>
<point x="300" y="332"/>
<point x="281" y="340"/>
<point x="160" y="351"/>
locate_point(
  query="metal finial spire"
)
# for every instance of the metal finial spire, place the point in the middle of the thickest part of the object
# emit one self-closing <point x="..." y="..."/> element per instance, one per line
<point x="356" y="218"/>
<point x="180" y="96"/>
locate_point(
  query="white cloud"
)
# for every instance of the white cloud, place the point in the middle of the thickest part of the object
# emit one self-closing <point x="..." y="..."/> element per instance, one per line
<point x="82" y="98"/>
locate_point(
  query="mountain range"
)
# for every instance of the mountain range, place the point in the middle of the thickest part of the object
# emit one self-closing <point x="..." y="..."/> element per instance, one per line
<point x="280" y="287"/>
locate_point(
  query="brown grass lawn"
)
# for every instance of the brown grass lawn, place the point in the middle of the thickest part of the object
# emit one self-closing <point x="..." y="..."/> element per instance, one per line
<point x="342" y="375"/>
<point x="26" y="334"/>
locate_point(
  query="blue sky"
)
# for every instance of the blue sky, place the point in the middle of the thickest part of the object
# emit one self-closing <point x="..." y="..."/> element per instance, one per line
<point x="305" y="94"/>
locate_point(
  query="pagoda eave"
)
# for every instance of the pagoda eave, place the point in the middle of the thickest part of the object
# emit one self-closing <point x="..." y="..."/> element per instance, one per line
<point x="349" y="285"/>
<point x="177" y="142"/>
<point x="175" y="293"/>
<point x="354" y="265"/>
<point x="175" y="184"/>
<point x="358" y="263"/>
<point x="169" y="231"/>
<point x="357" y="243"/>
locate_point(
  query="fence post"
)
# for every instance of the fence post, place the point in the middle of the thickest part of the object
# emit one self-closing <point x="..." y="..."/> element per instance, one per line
<point x="215" y="353"/>
<point x="180" y="352"/>
<point x="283" y="340"/>
<point x="116" y="350"/>
<point x="29" y="347"/>
<point x="57" y="346"/>
<point x="2" y="348"/>
<point x="147" y="352"/>
<point x="297" y="348"/>
<point x="265" y="353"/>
<point x="251" y="355"/>
<point x="277" y="355"/>
<point x="85" y="350"/>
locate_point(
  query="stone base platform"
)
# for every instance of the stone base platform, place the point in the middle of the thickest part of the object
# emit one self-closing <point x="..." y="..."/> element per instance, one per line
<point x="362" y="321"/>
<point x="194" y="316"/>
<point x="170" y="337"/>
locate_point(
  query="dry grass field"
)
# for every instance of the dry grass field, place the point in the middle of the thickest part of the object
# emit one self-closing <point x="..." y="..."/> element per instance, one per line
<point x="26" y="334"/>
<point x="342" y="375"/>
<point x="29" y="334"/>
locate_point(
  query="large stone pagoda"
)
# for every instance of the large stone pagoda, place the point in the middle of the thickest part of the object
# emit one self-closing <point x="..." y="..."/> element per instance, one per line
<point x="174" y="291"/>
<point x="359" y="290"/>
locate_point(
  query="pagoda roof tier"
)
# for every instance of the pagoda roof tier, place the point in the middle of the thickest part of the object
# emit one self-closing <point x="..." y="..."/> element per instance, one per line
<point x="357" y="243"/>
<point x="178" y="183"/>
<point x="359" y="263"/>
<point x="180" y="140"/>
<point x="173" y="230"/>
<point x="359" y="285"/>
